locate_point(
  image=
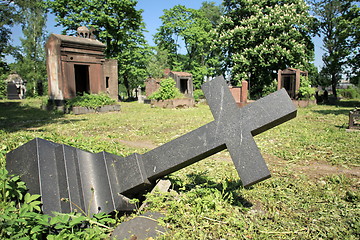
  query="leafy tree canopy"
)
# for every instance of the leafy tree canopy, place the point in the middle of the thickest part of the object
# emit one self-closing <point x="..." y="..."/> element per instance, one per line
<point x="352" y="21"/>
<point x="118" y="24"/>
<point x="8" y="17"/>
<point x="30" y="56"/>
<point x="157" y="62"/>
<point x="195" y="30"/>
<point x="259" y="37"/>
<point x="338" y="22"/>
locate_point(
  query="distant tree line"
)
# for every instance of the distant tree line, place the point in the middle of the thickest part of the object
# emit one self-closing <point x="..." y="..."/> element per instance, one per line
<point x="29" y="56"/>
<point x="241" y="39"/>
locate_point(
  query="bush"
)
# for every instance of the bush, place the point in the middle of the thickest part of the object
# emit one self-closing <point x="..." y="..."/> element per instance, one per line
<point x="350" y="92"/>
<point x="166" y="91"/>
<point x="269" y="88"/>
<point x="198" y="94"/>
<point x="306" y="92"/>
<point x="90" y="100"/>
<point x="3" y="89"/>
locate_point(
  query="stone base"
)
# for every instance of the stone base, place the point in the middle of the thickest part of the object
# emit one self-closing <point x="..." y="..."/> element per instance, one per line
<point x="304" y="103"/>
<point x="86" y="110"/>
<point x="58" y="105"/>
<point x="174" y="103"/>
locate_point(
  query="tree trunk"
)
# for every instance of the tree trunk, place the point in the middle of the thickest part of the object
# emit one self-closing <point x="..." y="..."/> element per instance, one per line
<point x="333" y="85"/>
<point x="126" y="84"/>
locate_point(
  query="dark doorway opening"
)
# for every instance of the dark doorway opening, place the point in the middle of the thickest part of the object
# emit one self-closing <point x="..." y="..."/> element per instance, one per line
<point x="184" y="85"/>
<point x="107" y="82"/>
<point x="82" y="83"/>
<point x="288" y="85"/>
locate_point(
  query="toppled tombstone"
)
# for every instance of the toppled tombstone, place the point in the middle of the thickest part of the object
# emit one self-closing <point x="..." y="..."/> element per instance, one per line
<point x="102" y="181"/>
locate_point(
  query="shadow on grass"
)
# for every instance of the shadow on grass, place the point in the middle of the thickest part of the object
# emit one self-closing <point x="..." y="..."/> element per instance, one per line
<point x="332" y="111"/>
<point x="15" y="117"/>
<point x="343" y="104"/>
<point x="226" y="188"/>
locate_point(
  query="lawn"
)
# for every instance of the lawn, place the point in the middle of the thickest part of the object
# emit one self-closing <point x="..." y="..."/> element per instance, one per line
<point x="314" y="161"/>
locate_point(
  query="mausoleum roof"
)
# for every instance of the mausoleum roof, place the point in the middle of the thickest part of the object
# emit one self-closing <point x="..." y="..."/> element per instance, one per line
<point x="78" y="40"/>
<point x="182" y="74"/>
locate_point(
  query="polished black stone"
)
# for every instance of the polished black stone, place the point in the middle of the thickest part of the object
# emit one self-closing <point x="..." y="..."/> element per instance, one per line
<point x="96" y="182"/>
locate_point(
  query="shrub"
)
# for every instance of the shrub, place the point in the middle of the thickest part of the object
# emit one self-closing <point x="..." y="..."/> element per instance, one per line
<point x="269" y="88"/>
<point x="2" y="86"/>
<point x="90" y="101"/>
<point x="350" y="92"/>
<point x="167" y="90"/>
<point x="306" y="92"/>
<point x="198" y="94"/>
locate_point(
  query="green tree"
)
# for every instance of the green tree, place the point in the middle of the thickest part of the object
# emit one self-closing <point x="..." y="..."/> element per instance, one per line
<point x="3" y="75"/>
<point x="30" y="58"/>
<point x="352" y="21"/>
<point x="8" y="17"/>
<point x="212" y="12"/>
<point x="195" y="30"/>
<point x="335" y="24"/>
<point x="118" y="24"/>
<point x="157" y="62"/>
<point x="259" y="37"/>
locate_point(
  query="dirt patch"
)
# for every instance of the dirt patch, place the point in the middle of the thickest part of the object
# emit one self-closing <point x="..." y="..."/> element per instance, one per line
<point x="313" y="169"/>
<point x="319" y="169"/>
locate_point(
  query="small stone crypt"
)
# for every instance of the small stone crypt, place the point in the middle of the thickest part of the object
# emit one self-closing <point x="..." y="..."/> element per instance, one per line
<point x="77" y="65"/>
<point x="290" y="80"/>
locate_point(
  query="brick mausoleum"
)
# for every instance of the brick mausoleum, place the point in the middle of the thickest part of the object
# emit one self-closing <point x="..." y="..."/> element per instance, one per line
<point x="290" y="80"/>
<point x="77" y="64"/>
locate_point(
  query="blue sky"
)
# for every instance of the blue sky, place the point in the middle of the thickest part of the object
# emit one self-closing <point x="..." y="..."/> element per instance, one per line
<point x="152" y="10"/>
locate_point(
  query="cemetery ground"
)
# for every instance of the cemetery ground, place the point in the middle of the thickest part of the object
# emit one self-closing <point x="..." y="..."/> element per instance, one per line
<point x="313" y="193"/>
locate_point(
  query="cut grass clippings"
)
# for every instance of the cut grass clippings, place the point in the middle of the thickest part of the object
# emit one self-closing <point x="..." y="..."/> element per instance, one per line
<point x="208" y="201"/>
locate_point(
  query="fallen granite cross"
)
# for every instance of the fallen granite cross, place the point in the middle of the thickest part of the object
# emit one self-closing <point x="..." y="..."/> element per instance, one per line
<point x="102" y="181"/>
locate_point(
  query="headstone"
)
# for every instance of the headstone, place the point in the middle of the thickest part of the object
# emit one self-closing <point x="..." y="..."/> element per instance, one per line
<point x="16" y="88"/>
<point x="103" y="181"/>
<point x="12" y="91"/>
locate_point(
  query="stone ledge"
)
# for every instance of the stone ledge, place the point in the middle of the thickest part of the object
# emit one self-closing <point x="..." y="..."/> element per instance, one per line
<point x="86" y="110"/>
<point x="304" y="103"/>
<point x="174" y="103"/>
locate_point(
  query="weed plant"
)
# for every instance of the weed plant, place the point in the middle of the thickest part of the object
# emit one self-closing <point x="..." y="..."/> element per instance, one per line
<point x="207" y="200"/>
<point x="90" y="100"/>
<point x="167" y="90"/>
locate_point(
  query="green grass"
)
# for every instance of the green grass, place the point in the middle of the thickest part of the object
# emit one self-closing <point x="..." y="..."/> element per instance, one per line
<point x="209" y="201"/>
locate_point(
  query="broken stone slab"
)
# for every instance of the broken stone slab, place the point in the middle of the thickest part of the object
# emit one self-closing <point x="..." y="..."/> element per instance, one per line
<point x="145" y="226"/>
<point x="103" y="182"/>
<point x="162" y="186"/>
